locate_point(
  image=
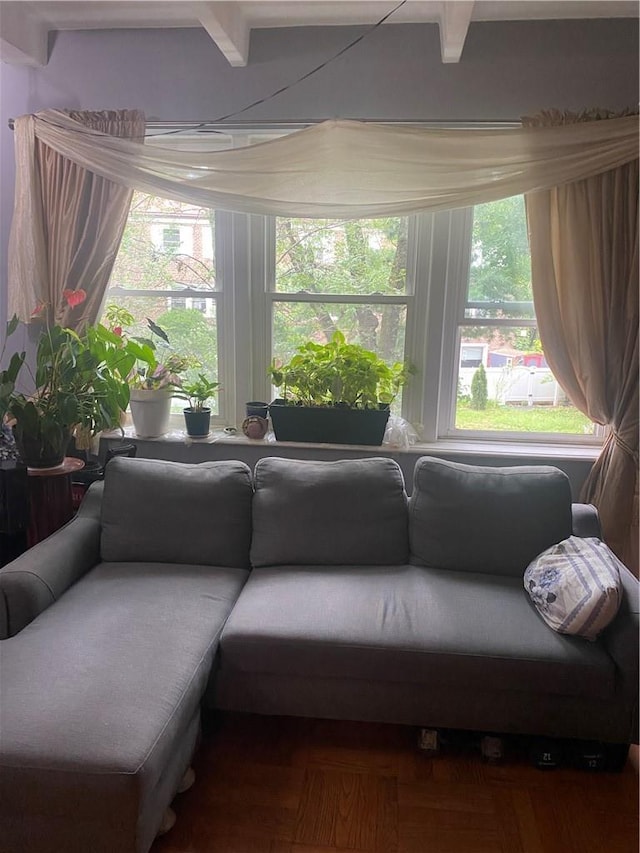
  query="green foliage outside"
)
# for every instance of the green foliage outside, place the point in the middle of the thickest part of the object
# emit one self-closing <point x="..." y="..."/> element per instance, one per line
<point x="191" y="332"/>
<point x="339" y="257"/>
<point x="500" y="270"/>
<point x="479" y="393"/>
<point x="500" y="264"/>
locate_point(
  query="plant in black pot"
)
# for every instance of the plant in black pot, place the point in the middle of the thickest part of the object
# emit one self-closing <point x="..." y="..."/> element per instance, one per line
<point x="337" y="393"/>
<point x="197" y="415"/>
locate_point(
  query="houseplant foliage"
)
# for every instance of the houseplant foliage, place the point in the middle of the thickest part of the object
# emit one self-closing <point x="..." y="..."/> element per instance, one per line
<point x="154" y="374"/>
<point x="336" y="381"/>
<point x="197" y="415"/>
<point x="78" y="384"/>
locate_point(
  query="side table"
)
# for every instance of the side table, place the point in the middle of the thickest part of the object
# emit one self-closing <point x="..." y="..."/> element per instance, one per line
<point x="50" y="498"/>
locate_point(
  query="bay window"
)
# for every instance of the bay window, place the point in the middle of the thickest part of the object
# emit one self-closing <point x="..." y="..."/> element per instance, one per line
<point x="449" y="292"/>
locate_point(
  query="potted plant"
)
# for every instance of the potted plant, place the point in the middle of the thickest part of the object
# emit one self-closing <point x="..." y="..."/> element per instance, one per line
<point x="337" y="393"/>
<point x="197" y="416"/>
<point x="76" y="386"/>
<point x="153" y="380"/>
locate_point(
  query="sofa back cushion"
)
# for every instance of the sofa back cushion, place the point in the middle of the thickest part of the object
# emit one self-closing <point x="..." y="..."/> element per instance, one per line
<point x="350" y="512"/>
<point x="484" y="519"/>
<point x="169" y="512"/>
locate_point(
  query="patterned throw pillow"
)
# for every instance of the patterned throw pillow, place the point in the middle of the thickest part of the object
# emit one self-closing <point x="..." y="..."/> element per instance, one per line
<point x="575" y="586"/>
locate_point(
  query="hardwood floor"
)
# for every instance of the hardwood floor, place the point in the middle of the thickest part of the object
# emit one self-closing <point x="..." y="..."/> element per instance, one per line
<point x="285" y="785"/>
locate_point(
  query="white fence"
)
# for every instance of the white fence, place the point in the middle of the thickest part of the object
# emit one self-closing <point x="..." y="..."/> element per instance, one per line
<point x="525" y="385"/>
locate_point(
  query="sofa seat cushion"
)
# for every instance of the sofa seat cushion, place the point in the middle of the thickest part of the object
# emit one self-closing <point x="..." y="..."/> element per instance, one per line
<point x="98" y="692"/>
<point x="406" y="624"/>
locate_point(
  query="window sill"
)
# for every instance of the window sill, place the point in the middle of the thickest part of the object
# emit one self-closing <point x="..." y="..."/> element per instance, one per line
<point x="458" y="448"/>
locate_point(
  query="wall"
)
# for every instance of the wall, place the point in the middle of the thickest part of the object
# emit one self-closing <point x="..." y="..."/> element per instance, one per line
<point x="507" y="69"/>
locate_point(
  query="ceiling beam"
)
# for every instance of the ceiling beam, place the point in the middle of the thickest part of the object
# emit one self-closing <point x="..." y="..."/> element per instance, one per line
<point x="227" y="28"/>
<point x="23" y="41"/>
<point x="454" y="17"/>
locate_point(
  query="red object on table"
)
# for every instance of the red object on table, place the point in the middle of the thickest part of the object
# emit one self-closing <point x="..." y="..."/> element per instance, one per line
<point x="50" y="498"/>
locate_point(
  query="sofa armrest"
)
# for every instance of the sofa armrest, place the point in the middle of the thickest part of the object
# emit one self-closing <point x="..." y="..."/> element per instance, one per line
<point x="91" y="506"/>
<point x="620" y="640"/>
<point x="33" y="581"/>
<point x="621" y="637"/>
<point x="585" y="521"/>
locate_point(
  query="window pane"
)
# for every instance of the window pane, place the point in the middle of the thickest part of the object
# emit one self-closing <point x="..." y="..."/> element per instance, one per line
<point x="379" y="328"/>
<point x="500" y="271"/>
<point x="345" y="257"/>
<point x="519" y="392"/>
<point x="167" y="245"/>
<point x="190" y="331"/>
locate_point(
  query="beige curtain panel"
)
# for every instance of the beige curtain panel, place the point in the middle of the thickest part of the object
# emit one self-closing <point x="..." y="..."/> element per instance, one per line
<point x="584" y="267"/>
<point x="68" y="223"/>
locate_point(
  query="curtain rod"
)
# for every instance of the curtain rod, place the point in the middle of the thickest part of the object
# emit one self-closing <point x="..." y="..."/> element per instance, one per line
<point x="284" y="123"/>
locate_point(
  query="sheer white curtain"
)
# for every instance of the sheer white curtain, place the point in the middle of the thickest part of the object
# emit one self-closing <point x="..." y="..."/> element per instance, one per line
<point x="337" y="168"/>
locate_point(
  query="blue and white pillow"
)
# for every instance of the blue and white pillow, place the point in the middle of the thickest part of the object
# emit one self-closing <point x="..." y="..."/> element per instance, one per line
<point x="575" y="586"/>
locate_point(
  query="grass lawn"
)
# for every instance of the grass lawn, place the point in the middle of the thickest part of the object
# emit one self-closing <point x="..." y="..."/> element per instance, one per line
<point x="564" y="419"/>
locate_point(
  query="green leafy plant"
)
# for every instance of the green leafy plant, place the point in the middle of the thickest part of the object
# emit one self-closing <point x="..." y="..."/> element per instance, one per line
<point x="77" y="384"/>
<point x="154" y="364"/>
<point x="338" y="374"/>
<point x="198" y="391"/>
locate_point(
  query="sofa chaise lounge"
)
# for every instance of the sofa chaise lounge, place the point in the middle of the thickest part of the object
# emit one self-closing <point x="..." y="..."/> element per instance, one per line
<point x="303" y="588"/>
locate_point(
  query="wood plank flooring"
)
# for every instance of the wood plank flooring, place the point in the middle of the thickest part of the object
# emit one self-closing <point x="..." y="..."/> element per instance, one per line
<point x="285" y="785"/>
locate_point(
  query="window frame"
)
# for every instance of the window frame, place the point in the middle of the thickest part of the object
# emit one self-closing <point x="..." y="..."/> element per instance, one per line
<point x="454" y="320"/>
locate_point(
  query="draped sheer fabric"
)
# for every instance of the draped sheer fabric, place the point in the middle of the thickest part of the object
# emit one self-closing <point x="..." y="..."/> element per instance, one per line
<point x="334" y="169"/>
<point x="347" y="168"/>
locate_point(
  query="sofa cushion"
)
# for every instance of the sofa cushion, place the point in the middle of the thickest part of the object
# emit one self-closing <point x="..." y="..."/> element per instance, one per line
<point x="406" y="624"/>
<point x="344" y="513"/>
<point x="575" y="586"/>
<point x="99" y="696"/>
<point x="170" y="512"/>
<point x="484" y="519"/>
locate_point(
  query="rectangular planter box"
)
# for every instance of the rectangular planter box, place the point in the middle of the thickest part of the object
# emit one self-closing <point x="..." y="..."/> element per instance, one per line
<point x="328" y="425"/>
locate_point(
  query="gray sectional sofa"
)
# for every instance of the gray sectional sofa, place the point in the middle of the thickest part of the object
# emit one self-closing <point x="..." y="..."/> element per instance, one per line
<point x="304" y="588"/>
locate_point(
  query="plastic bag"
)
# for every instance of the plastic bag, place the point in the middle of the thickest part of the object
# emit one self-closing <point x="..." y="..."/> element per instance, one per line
<point x="399" y="433"/>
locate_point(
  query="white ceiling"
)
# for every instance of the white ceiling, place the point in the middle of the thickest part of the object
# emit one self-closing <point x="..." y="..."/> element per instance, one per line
<point x="25" y="25"/>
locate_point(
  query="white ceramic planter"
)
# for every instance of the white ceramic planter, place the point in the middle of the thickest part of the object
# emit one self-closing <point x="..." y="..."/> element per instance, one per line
<point x="150" y="412"/>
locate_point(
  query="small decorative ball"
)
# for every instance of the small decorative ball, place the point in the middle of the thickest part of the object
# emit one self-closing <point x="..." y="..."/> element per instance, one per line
<point x="255" y="427"/>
